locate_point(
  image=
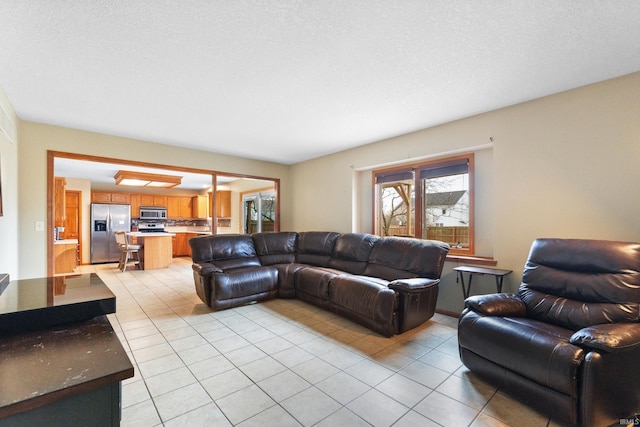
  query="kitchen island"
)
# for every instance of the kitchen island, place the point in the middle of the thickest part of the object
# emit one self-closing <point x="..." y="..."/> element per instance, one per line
<point x="157" y="249"/>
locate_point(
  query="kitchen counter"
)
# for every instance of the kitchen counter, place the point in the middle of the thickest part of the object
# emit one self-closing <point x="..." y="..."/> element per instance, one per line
<point x="153" y="234"/>
<point x="66" y="242"/>
<point x="188" y="229"/>
<point x="30" y="304"/>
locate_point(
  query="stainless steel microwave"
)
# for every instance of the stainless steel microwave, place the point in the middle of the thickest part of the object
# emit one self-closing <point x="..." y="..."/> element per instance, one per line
<point x="153" y="212"/>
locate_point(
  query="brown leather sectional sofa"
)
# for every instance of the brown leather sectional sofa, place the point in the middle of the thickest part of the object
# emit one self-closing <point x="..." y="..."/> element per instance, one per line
<point x="389" y="284"/>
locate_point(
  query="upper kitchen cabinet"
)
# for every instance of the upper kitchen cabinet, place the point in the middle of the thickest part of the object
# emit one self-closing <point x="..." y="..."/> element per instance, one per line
<point x="200" y="206"/>
<point x="186" y="210"/>
<point x="173" y="207"/>
<point x="108" y="197"/>
<point x="134" y="201"/>
<point x="153" y="200"/>
<point x="223" y="204"/>
<point x="179" y="207"/>
<point x="100" y="197"/>
<point x="123" y="198"/>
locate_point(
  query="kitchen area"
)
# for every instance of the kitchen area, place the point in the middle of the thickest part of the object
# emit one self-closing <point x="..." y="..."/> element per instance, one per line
<point x="161" y="217"/>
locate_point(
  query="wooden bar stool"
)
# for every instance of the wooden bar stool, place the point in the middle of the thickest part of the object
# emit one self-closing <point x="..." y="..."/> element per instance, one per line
<point x="127" y="251"/>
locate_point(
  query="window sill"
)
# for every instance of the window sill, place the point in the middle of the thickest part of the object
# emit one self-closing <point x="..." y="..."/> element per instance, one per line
<point x="472" y="260"/>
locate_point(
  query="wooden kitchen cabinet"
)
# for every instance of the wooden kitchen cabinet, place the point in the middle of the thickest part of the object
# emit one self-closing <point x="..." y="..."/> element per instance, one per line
<point x="100" y="197"/>
<point x="187" y="247"/>
<point x="153" y="200"/>
<point x="146" y="199"/>
<point x="173" y="207"/>
<point x="175" y="251"/>
<point x="123" y="198"/>
<point x="179" y="207"/>
<point x="181" y="244"/>
<point x="185" y="207"/>
<point x="200" y="206"/>
<point x="108" y="197"/>
<point x="184" y="244"/>
<point x="134" y="201"/>
<point x="59" y="213"/>
<point x="65" y="257"/>
<point x="223" y="204"/>
<point x="72" y="215"/>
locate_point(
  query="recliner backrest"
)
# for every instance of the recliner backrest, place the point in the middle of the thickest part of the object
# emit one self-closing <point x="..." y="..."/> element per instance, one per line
<point x="578" y="283"/>
<point x="275" y="248"/>
<point x="316" y="247"/>
<point x="227" y="251"/>
<point x="401" y="258"/>
<point x="351" y="252"/>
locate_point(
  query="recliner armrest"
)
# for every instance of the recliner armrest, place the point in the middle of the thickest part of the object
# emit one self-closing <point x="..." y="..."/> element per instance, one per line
<point x="609" y="337"/>
<point x="504" y="305"/>
<point x="205" y="268"/>
<point x="412" y="285"/>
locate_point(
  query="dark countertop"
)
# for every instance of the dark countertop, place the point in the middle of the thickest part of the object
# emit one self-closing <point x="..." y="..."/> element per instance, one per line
<point x="41" y="367"/>
<point x="38" y="303"/>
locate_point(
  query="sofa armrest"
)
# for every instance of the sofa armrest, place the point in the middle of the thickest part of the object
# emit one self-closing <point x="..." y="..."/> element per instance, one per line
<point x="412" y="285"/>
<point x="503" y="305"/>
<point x="205" y="268"/>
<point x="608" y="337"/>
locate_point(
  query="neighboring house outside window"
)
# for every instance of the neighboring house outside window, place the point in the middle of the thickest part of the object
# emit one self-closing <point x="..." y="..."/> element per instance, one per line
<point x="441" y="209"/>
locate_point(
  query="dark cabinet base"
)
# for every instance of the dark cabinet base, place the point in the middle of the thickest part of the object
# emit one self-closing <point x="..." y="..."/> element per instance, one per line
<point x="97" y="408"/>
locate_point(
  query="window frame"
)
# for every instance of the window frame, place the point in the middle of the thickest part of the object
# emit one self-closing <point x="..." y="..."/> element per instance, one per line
<point x="417" y="169"/>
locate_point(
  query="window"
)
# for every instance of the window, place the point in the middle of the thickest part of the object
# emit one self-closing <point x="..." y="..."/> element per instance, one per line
<point x="431" y="200"/>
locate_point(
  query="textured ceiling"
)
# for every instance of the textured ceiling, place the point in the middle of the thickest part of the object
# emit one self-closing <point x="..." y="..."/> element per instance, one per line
<point x="288" y="80"/>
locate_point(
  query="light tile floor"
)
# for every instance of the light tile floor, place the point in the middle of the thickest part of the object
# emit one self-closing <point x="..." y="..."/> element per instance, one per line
<point x="287" y="363"/>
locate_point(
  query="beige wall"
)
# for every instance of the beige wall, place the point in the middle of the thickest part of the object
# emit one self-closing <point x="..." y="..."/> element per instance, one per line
<point x="567" y="165"/>
<point x="9" y="189"/>
<point x="36" y="139"/>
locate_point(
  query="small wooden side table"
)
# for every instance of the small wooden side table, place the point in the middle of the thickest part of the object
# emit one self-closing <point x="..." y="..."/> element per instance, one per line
<point x="497" y="273"/>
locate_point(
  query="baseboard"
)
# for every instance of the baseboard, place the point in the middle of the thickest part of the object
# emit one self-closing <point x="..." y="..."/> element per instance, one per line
<point x="448" y="313"/>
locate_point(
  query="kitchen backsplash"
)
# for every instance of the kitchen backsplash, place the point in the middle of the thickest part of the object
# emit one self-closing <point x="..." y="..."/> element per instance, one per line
<point x="222" y="222"/>
<point x="179" y="222"/>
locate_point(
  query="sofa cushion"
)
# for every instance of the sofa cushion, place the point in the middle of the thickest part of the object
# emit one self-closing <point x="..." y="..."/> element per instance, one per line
<point x="242" y="282"/>
<point x="286" y="279"/>
<point x="316" y="247"/>
<point x="366" y="296"/>
<point x="351" y="252"/>
<point x="315" y="281"/>
<point x="401" y="258"/>
<point x="275" y="248"/>
<point x="533" y="349"/>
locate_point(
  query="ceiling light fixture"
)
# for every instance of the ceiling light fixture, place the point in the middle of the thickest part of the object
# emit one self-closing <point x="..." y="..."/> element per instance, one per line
<point x="141" y="179"/>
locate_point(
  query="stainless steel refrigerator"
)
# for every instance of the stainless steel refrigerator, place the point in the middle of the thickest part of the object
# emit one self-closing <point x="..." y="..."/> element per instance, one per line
<point x="106" y="219"/>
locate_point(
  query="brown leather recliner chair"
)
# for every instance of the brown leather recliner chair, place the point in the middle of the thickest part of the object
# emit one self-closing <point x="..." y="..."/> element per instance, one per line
<point x="568" y="343"/>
